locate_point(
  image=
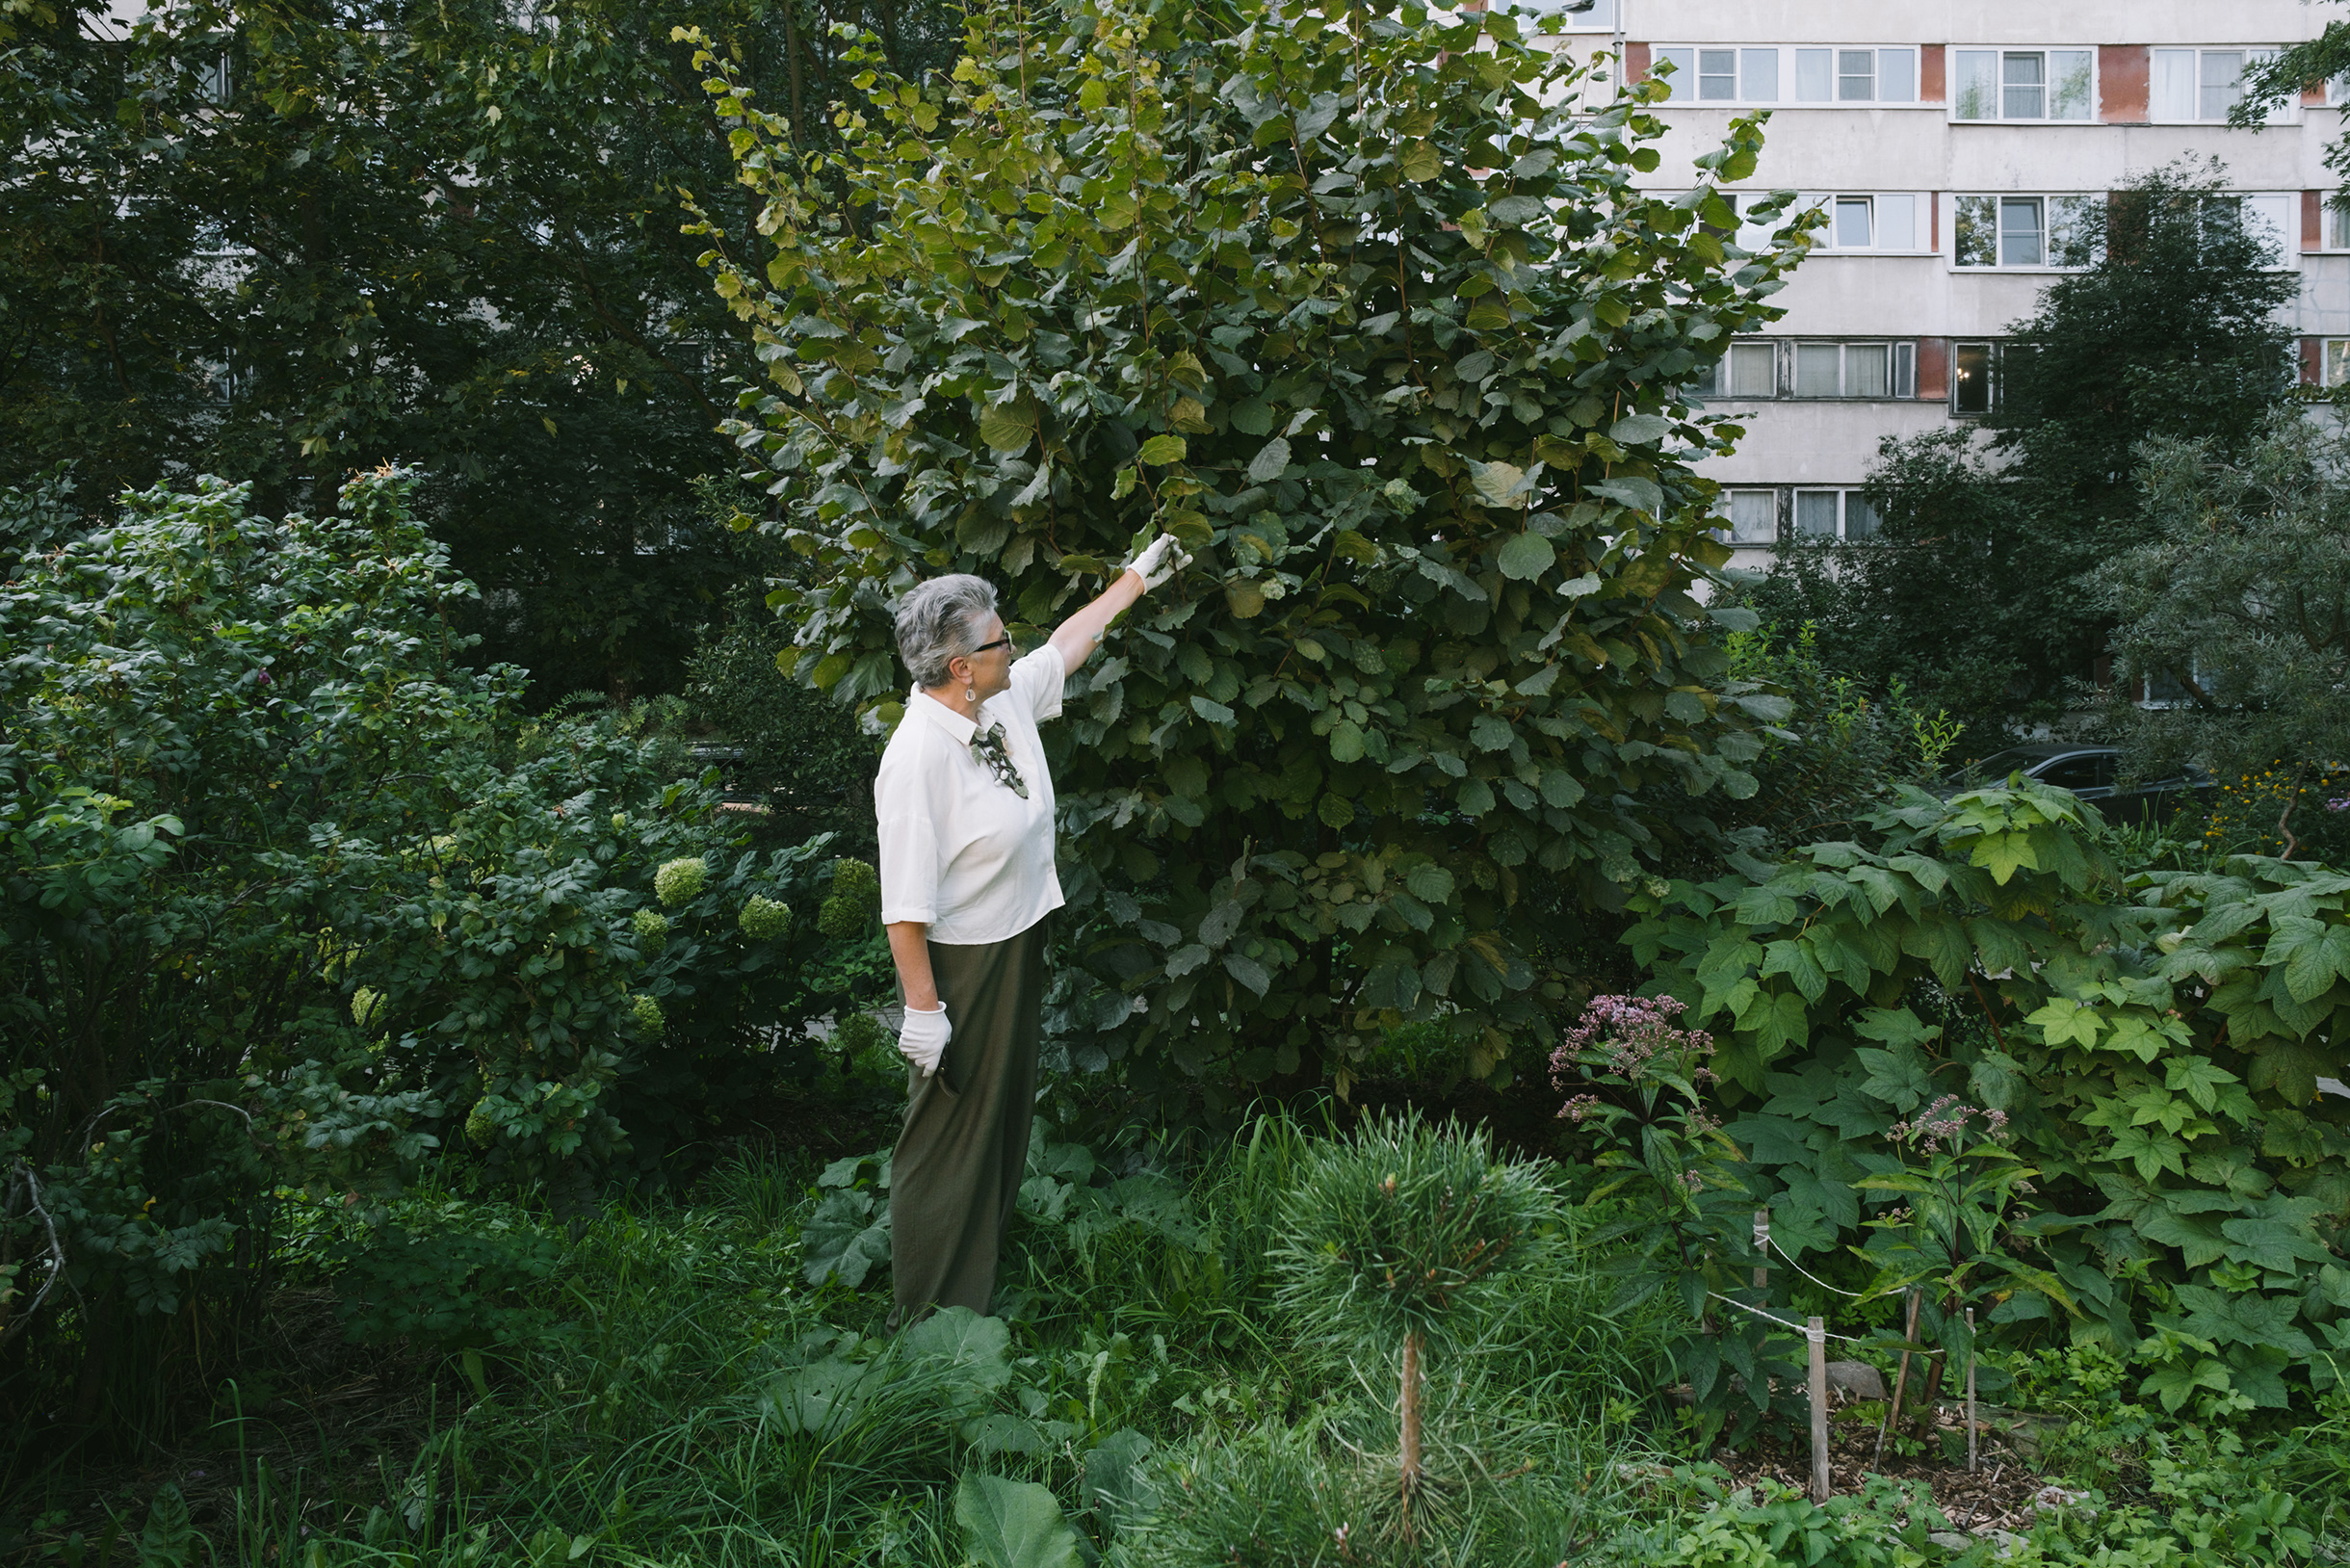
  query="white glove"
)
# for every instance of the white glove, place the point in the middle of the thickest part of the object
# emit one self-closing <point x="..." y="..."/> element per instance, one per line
<point x="1162" y="561"/>
<point x="922" y="1039"/>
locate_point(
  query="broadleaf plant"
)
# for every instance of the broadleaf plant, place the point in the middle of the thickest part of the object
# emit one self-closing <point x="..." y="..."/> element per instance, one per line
<point x="1370" y="309"/>
<point x="2155" y="1041"/>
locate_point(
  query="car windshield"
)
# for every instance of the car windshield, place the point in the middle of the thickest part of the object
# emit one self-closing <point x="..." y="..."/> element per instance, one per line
<point x="1998" y="765"/>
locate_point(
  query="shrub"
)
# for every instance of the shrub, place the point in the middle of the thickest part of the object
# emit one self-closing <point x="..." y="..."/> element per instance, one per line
<point x="288" y="895"/>
<point x="1379" y="319"/>
<point x="2153" y="1040"/>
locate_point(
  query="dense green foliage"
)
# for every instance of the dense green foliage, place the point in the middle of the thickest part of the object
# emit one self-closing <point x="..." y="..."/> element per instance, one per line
<point x="1393" y="344"/>
<point x="2150" y="1045"/>
<point x="289" y="896"/>
<point x="1975" y="590"/>
<point x="276" y="243"/>
<point x="2239" y="598"/>
<point x="669" y="1391"/>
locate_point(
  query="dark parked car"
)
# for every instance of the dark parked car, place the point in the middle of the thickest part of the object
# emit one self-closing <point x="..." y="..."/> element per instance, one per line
<point x="2088" y="771"/>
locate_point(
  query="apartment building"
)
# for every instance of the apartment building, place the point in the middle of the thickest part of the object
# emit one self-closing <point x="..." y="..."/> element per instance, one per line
<point x="1951" y="144"/>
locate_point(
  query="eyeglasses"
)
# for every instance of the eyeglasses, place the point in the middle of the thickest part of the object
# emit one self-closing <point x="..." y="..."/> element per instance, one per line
<point x="999" y="643"/>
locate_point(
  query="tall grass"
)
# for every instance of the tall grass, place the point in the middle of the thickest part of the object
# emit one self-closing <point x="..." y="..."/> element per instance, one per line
<point x="688" y="1399"/>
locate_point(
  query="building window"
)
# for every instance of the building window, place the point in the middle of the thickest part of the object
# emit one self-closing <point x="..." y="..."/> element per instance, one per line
<point x="2338" y="222"/>
<point x="1881" y="222"/>
<point x="1974" y="377"/>
<point x="2337" y="365"/>
<point x="2190" y="85"/>
<point x="2017" y="231"/>
<point x="1714" y="74"/>
<point x="2022" y="83"/>
<point x="2269" y="217"/>
<point x="1834" y="514"/>
<point x="1753" y="514"/>
<point x="1856" y="369"/>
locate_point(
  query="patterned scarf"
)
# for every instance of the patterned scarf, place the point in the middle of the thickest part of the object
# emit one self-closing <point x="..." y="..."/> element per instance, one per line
<point x="988" y="746"/>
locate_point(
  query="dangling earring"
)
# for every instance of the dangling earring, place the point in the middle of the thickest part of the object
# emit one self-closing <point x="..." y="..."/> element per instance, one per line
<point x="971" y="693"/>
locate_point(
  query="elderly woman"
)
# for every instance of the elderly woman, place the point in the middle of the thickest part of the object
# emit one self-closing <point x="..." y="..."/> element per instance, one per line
<point x="965" y="806"/>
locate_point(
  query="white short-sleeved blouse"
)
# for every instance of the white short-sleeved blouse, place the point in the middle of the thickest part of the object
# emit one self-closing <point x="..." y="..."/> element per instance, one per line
<point x="961" y="852"/>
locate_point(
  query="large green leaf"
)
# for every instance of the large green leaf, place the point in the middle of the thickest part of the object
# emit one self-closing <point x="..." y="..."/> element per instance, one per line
<point x="1009" y="1523"/>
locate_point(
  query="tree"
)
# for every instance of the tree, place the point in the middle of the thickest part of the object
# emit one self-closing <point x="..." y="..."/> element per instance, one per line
<point x="1975" y="589"/>
<point x="2240" y="598"/>
<point x="2278" y="80"/>
<point x="1396" y="349"/>
<point x="277" y="243"/>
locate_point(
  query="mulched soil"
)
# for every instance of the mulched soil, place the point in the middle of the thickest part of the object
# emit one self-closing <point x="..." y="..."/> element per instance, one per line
<point x="2005" y="1492"/>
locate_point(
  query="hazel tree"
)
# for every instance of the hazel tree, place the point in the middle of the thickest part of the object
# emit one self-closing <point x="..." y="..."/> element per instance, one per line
<point x="1369" y="308"/>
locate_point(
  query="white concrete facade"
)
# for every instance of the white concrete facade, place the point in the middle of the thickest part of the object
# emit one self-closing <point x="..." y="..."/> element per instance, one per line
<point x="1948" y="138"/>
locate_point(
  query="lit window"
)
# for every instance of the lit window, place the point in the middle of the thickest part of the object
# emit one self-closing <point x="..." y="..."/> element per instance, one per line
<point x="1974" y="378"/>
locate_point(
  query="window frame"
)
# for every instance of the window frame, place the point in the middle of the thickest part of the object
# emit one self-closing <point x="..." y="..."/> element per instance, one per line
<point x="1823" y="239"/>
<point x="1846" y="496"/>
<point x="1999" y="201"/>
<point x="1689" y="75"/>
<point x="2326" y="360"/>
<point x="1993" y="356"/>
<point x="1784" y="357"/>
<point x="1729" y="533"/>
<point x="2286" y="113"/>
<point x="1999" y="54"/>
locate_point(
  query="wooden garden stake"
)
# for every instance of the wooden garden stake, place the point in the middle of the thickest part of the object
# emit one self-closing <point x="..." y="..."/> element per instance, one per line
<point x="1892" y="1411"/>
<point x="1971" y="1453"/>
<point x="1411" y="1425"/>
<point x="1762" y="1248"/>
<point x="1816" y="1331"/>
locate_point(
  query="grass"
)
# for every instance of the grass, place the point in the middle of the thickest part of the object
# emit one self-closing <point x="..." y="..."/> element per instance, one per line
<point x="674" y="1391"/>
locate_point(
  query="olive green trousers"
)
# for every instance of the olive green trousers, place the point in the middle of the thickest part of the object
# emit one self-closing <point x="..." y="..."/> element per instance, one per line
<point x="955" y="1175"/>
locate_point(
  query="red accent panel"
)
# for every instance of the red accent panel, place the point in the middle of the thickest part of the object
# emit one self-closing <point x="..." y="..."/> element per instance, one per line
<point x="1636" y="62"/>
<point x="1932" y="82"/>
<point x="2313" y="220"/>
<point x="2312" y="360"/>
<point x="1934" y="367"/>
<point x="1933" y="220"/>
<point x="2313" y="94"/>
<point x="2123" y="71"/>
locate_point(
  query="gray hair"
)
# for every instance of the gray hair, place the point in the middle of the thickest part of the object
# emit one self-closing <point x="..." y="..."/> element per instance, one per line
<point x="942" y="619"/>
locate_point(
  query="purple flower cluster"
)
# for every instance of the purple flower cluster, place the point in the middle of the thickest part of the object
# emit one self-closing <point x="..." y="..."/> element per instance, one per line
<point x="1619" y="1036"/>
<point x="1944" y="1121"/>
<point x="2342" y="805"/>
